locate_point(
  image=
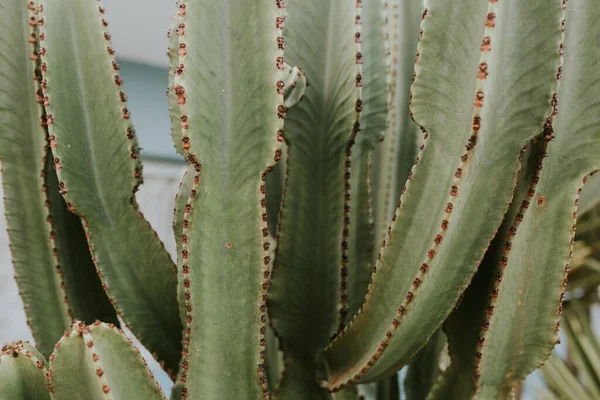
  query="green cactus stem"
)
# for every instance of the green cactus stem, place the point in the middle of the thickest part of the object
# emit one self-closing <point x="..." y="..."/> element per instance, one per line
<point x="230" y="94"/>
<point x="99" y="362"/>
<point x="305" y="293"/>
<point x="22" y="373"/>
<point x="480" y="94"/>
<point x="98" y="165"/>
<point x="524" y="327"/>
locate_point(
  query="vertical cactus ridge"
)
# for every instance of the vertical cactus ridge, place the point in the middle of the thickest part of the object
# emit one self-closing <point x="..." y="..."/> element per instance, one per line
<point x="304" y="297"/>
<point x="524" y="327"/>
<point x="174" y="68"/>
<point x="230" y="91"/>
<point x="395" y="156"/>
<point x="22" y="153"/>
<point x="99" y="362"/>
<point x="94" y="146"/>
<point x="466" y="327"/>
<point x="22" y="373"/>
<point x="493" y="87"/>
<point x="372" y="124"/>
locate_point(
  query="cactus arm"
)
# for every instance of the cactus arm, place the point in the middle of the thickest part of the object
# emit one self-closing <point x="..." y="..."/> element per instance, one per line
<point x="395" y="156"/>
<point x="22" y="373"/>
<point x="425" y="267"/>
<point x="99" y="362"/>
<point x="373" y="121"/>
<point x="231" y="102"/>
<point x="22" y="153"/>
<point x="561" y="380"/>
<point x="524" y="327"/>
<point x="318" y="133"/>
<point x="98" y="166"/>
<point x="465" y="325"/>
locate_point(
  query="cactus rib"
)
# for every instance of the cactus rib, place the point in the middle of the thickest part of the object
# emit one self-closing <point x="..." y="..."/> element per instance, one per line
<point x="304" y="297"/>
<point x="524" y="327"/>
<point x="22" y="152"/>
<point x="424" y="267"/>
<point x="95" y="143"/>
<point x="22" y="373"/>
<point x="230" y="93"/>
<point x="99" y="362"/>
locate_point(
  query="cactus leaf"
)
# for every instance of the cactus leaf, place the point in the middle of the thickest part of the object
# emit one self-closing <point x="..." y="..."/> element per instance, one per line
<point x="230" y="93"/>
<point x="318" y="132"/>
<point x="524" y="327"/>
<point x="395" y="156"/>
<point x="22" y="153"/>
<point x="469" y="321"/>
<point x="486" y="84"/>
<point x="361" y="238"/>
<point x="22" y="373"/>
<point x="98" y="166"/>
<point x="99" y="362"/>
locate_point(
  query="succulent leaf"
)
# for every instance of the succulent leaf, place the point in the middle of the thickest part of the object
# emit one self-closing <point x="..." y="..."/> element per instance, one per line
<point x="230" y="96"/>
<point x="524" y="329"/>
<point x="99" y="362"/>
<point x="472" y="121"/>
<point x="98" y="166"/>
<point x="22" y="373"/>
<point x="361" y="238"/>
<point x="469" y="321"/>
<point x="304" y="297"/>
<point x="22" y="152"/>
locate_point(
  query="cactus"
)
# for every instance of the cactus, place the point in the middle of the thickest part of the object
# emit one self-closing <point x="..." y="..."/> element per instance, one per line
<point x="23" y="373"/>
<point x="304" y="266"/>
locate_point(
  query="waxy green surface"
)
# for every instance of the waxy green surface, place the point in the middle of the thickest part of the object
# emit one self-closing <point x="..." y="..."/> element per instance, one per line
<point x="98" y="362"/>
<point x="99" y="170"/>
<point x="448" y="216"/>
<point x="22" y="152"/>
<point x="22" y="373"/>
<point x="523" y="329"/>
<point x="231" y="111"/>
<point x="304" y="297"/>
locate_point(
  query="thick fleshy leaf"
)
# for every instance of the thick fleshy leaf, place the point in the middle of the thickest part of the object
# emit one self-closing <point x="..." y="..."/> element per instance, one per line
<point x="484" y="83"/>
<point x="22" y="373"/>
<point x="99" y="362"/>
<point x="22" y="153"/>
<point x="98" y="166"/>
<point x="230" y="95"/>
<point x="304" y="298"/>
<point x="524" y="327"/>
<point x="361" y="238"/>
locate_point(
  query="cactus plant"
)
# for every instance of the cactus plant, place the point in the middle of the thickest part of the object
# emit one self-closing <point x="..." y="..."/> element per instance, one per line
<point x="327" y="268"/>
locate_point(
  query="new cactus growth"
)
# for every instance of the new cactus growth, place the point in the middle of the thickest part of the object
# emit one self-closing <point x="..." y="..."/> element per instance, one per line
<point x="305" y="264"/>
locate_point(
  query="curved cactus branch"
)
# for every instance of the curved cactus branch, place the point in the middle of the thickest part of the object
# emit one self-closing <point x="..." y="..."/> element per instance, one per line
<point x="98" y="165"/>
<point x="99" y="362"/>
<point x="304" y="298"/>
<point x="361" y="238"/>
<point x="22" y="153"/>
<point x="230" y="93"/>
<point x="465" y="325"/>
<point x="524" y="326"/>
<point x="485" y="79"/>
<point x="23" y="373"/>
